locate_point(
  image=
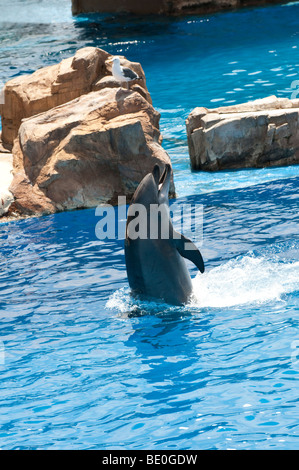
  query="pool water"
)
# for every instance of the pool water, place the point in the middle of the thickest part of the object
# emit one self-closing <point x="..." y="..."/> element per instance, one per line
<point x="85" y="366"/>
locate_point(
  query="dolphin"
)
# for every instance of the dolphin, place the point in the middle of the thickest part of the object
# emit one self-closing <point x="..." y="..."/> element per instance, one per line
<point x="155" y="263"/>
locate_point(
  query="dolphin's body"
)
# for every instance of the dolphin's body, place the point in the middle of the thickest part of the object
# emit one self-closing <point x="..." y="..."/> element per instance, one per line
<point x="155" y="265"/>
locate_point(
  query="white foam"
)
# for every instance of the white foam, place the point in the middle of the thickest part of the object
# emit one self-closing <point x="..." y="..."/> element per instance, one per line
<point x="120" y="300"/>
<point x="245" y="280"/>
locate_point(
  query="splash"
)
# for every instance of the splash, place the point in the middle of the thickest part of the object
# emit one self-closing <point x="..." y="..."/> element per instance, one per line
<point x="120" y="300"/>
<point x="245" y="280"/>
<point x="128" y="306"/>
<point x="248" y="279"/>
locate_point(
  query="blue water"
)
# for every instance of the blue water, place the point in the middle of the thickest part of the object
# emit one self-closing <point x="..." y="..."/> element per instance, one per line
<point x="82" y="364"/>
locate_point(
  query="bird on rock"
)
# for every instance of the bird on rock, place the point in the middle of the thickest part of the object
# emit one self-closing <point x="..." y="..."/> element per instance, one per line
<point x="123" y="74"/>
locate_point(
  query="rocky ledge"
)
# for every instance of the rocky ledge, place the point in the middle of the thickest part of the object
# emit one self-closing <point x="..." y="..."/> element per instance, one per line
<point x="79" y="138"/>
<point x="257" y="134"/>
<point x="88" y="70"/>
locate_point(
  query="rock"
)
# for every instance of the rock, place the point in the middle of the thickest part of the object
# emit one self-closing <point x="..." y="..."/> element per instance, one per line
<point x="6" y="197"/>
<point x="164" y="7"/>
<point x="79" y="138"/>
<point x="3" y="148"/>
<point x="111" y="82"/>
<point x="259" y="133"/>
<point x="52" y="86"/>
<point x="86" y="152"/>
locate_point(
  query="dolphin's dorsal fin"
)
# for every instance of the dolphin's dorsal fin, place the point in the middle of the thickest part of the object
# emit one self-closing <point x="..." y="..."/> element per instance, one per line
<point x="188" y="250"/>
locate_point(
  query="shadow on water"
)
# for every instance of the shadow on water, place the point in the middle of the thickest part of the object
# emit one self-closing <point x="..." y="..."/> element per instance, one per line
<point x="93" y="27"/>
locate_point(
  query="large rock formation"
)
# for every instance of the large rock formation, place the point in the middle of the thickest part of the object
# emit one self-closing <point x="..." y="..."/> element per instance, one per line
<point x="86" y="152"/>
<point x="28" y="95"/>
<point x="80" y="139"/>
<point x="255" y="134"/>
<point x="163" y="7"/>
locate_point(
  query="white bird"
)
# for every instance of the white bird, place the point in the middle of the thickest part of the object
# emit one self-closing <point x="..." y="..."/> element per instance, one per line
<point x="123" y="74"/>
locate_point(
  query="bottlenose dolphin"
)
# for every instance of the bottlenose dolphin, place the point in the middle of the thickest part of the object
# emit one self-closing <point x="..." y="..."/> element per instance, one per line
<point x="155" y="263"/>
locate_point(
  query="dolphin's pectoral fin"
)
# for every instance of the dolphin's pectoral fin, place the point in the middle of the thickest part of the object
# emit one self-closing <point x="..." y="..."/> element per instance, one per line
<point x="189" y="250"/>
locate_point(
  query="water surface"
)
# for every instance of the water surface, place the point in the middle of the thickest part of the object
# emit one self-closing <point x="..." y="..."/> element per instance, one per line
<point x="85" y="366"/>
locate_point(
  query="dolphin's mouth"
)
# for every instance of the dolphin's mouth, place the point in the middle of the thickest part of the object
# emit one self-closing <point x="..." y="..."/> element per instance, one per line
<point x="162" y="181"/>
<point x="164" y="175"/>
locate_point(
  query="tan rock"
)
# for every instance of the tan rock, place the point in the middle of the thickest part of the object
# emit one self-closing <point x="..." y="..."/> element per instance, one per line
<point x="259" y="133"/>
<point x="86" y="152"/>
<point x="110" y="82"/>
<point x="52" y="86"/>
<point x="28" y="199"/>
